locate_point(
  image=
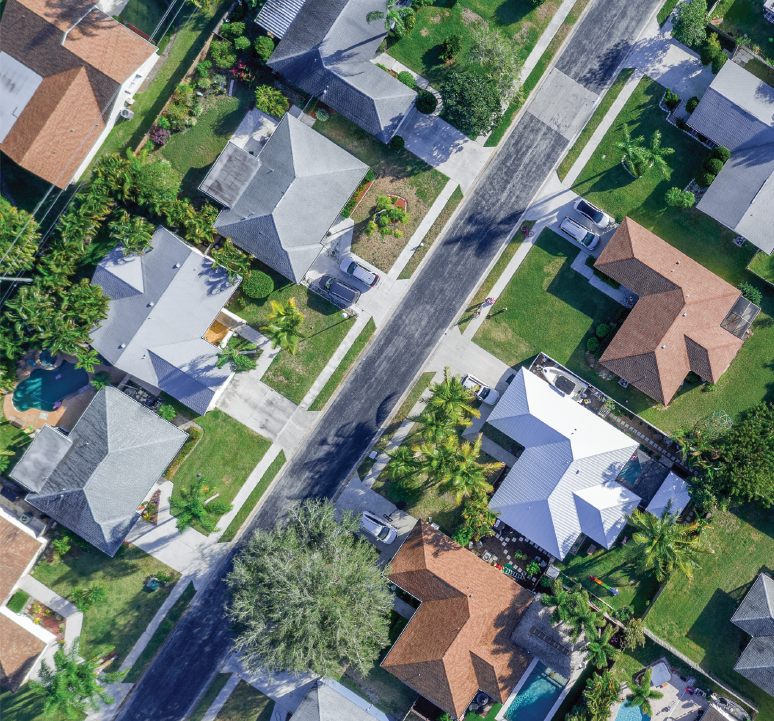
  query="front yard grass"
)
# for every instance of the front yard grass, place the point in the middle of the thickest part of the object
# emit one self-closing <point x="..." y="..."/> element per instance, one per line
<point x="397" y="173"/>
<point x="246" y="704"/>
<point x="24" y="705"/>
<point x="745" y="18"/>
<point x="381" y="688"/>
<point x="323" y="330"/>
<point x="130" y="606"/>
<point x="695" y="617"/>
<point x="225" y="456"/>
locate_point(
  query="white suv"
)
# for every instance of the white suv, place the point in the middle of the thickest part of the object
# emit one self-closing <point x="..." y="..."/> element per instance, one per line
<point x="356" y="270"/>
<point x="578" y="233"/>
<point x="379" y="529"/>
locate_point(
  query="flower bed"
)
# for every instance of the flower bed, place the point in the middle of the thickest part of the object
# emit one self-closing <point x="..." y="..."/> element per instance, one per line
<point x="43" y="616"/>
<point x="359" y="194"/>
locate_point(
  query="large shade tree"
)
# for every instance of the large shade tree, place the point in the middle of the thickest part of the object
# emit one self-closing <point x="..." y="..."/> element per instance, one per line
<point x="308" y="596"/>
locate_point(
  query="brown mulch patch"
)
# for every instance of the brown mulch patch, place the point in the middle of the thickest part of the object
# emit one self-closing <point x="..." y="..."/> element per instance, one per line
<point x="469" y="17"/>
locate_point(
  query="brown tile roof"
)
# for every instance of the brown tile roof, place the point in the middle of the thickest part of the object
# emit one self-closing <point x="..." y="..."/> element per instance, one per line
<point x="59" y="126"/>
<point x="18" y="652"/>
<point x="674" y="327"/>
<point x="17" y="550"/>
<point x="458" y="641"/>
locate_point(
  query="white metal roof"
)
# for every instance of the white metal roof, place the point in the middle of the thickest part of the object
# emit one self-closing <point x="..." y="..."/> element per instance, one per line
<point x="673" y="488"/>
<point x="17" y="86"/>
<point x="564" y="482"/>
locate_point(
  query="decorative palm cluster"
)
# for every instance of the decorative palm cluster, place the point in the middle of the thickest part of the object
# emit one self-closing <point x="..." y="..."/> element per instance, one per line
<point x="638" y="158"/>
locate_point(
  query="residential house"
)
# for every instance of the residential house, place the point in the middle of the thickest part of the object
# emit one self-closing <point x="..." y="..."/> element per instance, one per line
<point x="281" y="201"/>
<point x="22" y="641"/>
<point x="755" y="616"/>
<point x="459" y="639"/>
<point x="326" y="50"/>
<point x="737" y="112"/>
<point x="94" y="479"/>
<point x="160" y="306"/>
<point x="686" y="318"/>
<point x="66" y="72"/>
<point x="563" y="484"/>
<point x="326" y="701"/>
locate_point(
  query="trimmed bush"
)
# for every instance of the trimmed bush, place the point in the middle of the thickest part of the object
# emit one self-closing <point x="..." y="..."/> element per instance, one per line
<point x="679" y="198"/>
<point x="407" y="79"/>
<point x="721" y="153"/>
<point x="223" y="54"/>
<point x="232" y="30"/>
<point x="257" y="285"/>
<point x="603" y="330"/>
<point x="167" y="412"/>
<point x="712" y="165"/>
<point x="321" y="114"/>
<point x="264" y="47"/>
<point x="691" y="105"/>
<point x="671" y="100"/>
<point x="592" y="344"/>
<point x="370" y="176"/>
<point x="18" y="601"/>
<point x="397" y="142"/>
<point x="704" y="179"/>
<point x="271" y="101"/>
<point x="750" y="292"/>
<point x="426" y="102"/>
<point x="452" y="46"/>
<point x="242" y="43"/>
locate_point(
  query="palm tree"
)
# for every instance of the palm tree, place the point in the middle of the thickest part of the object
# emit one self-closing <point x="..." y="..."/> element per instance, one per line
<point x="284" y="325"/>
<point x="240" y="360"/>
<point x="655" y="154"/>
<point x="663" y="544"/>
<point x="89" y="596"/>
<point x="641" y="693"/>
<point x="101" y="380"/>
<point x="468" y="476"/>
<point x="599" y="650"/>
<point x="133" y="232"/>
<point x="433" y="426"/>
<point x="633" y="151"/>
<point x="403" y="463"/>
<point x="87" y="359"/>
<point x="582" y="618"/>
<point x="561" y="600"/>
<point x="394" y="17"/>
<point x="437" y="461"/>
<point x="233" y="260"/>
<point x="191" y="506"/>
<point x="71" y="687"/>
<point x="5" y="459"/>
<point x="478" y="517"/>
<point x="600" y="693"/>
<point x="452" y="400"/>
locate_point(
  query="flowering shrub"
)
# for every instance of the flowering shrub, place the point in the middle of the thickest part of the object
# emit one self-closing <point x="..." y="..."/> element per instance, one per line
<point x="159" y="136"/>
<point x="244" y="73"/>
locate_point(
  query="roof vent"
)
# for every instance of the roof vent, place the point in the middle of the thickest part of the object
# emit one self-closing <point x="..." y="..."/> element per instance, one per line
<point x="663" y="346"/>
<point x="684" y="315"/>
<point x="678" y="262"/>
<point x="151" y="304"/>
<point x="123" y="345"/>
<point x="177" y="265"/>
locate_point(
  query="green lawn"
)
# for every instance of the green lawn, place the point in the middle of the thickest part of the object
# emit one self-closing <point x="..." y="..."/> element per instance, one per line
<point x="343" y="368"/>
<point x="616" y="568"/>
<point x="602" y="110"/>
<point x="161" y="633"/>
<point x="12" y="439"/>
<point x="130" y="606"/>
<point x="145" y="15"/>
<point x="666" y="11"/>
<point x="253" y="498"/>
<point x="745" y="17"/>
<point x="209" y="696"/>
<point x="246" y="704"/>
<point x="763" y="266"/>
<point x="694" y="617"/>
<point x="193" y="151"/>
<point x="760" y="70"/>
<point x="225" y="456"/>
<point x="323" y="330"/>
<point x="382" y="689"/>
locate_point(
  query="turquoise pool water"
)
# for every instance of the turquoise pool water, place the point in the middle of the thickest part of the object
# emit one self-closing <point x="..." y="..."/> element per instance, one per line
<point x="631" y="471"/>
<point x="631" y="713"/>
<point x="44" y="388"/>
<point x="537" y="695"/>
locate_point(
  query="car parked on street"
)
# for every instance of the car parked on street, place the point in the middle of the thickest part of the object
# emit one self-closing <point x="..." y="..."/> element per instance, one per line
<point x="594" y="214"/>
<point x="360" y="272"/>
<point x="341" y="290"/>
<point x="578" y="233"/>
<point x="483" y="392"/>
<point x="378" y="528"/>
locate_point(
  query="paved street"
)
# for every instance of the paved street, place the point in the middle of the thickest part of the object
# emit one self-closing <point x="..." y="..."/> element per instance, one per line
<point x="200" y="643"/>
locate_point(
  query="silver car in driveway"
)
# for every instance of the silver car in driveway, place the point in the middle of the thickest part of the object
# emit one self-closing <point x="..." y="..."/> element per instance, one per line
<point x="594" y="214"/>
<point x="578" y="233"/>
<point x="378" y="528"/>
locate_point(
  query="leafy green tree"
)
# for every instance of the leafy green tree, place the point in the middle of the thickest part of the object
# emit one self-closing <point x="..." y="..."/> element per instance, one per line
<point x="452" y="400"/>
<point x="690" y="28"/>
<point x="88" y="359"/>
<point x="71" y="688"/>
<point x="633" y="151"/>
<point x="235" y="262"/>
<point x="471" y="102"/>
<point x="264" y="47"/>
<point x="283" y="327"/>
<point x="600" y="694"/>
<point x="452" y="47"/>
<point x="156" y="184"/>
<point x="101" y="380"/>
<point x="331" y="611"/>
<point x="634" y="634"/>
<point x="394" y="17"/>
<point x="192" y="506"/>
<point x="599" y="651"/>
<point x="19" y="238"/>
<point x="232" y="30"/>
<point x="222" y="54"/>
<point x="271" y="101"/>
<point x="642" y="694"/>
<point x="89" y="596"/>
<point x="133" y="232"/>
<point x="498" y="56"/>
<point x="242" y="43"/>
<point x="665" y="545"/>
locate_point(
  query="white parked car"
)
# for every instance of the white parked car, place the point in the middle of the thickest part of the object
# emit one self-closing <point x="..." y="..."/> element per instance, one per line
<point x="378" y="528"/>
<point x="483" y="392"/>
<point x="358" y="271"/>
<point x="594" y="214"/>
<point x="578" y="233"/>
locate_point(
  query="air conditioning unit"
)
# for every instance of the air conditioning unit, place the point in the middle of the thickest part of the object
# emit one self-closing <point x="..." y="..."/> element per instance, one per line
<point x="126" y="113"/>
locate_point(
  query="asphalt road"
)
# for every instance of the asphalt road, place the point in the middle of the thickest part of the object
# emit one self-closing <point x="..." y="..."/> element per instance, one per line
<point x="200" y="642"/>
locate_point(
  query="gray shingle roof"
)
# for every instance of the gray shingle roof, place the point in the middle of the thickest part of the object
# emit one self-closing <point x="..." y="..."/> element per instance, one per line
<point x="757" y="663"/>
<point x="755" y="614"/>
<point x="41" y="458"/>
<point x="281" y="203"/>
<point x="323" y="703"/>
<point x="161" y="304"/>
<point x="116" y="451"/>
<point x="327" y="52"/>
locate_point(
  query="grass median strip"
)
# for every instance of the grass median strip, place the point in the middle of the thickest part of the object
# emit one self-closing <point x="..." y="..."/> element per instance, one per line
<point x="253" y="498"/>
<point x="160" y="635"/>
<point x="209" y="696"/>
<point x="595" y="120"/>
<point x="346" y="363"/>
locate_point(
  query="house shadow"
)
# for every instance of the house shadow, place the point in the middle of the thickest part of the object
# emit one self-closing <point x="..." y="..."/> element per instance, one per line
<point x="713" y="625"/>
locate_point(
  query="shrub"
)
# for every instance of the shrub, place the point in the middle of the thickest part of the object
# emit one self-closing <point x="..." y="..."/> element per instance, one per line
<point x="712" y="165"/>
<point x="592" y="344"/>
<point x="370" y="227"/>
<point x="603" y="330"/>
<point x="383" y="220"/>
<point x="419" y="4"/>
<point x="322" y="114"/>
<point x="680" y="198"/>
<point x="752" y="293"/>
<point x="271" y="101"/>
<point x="718" y="62"/>
<point x="242" y="43"/>
<point x="163" y="122"/>
<point x="671" y="100"/>
<point x="203" y="68"/>
<point x="222" y="54"/>
<point x="257" y="285"/>
<point x="264" y="47"/>
<point x="710" y="49"/>
<point x="159" y="136"/>
<point x="721" y="153"/>
<point x="232" y="30"/>
<point x="690" y="106"/>
<point x="426" y="102"/>
<point x="536" y="3"/>
<point x="204" y="83"/>
<point x="167" y="412"/>
<point x="690" y="26"/>
<point x="397" y="142"/>
<point x="370" y="176"/>
<point x="18" y="601"/>
<point x="704" y="179"/>
<point x="407" y="79"/>
<point x="451" y="47"/>
<point x="471" y="102"/>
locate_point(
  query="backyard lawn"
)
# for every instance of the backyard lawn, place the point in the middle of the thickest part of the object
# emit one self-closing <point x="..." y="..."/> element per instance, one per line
<point x="130" y="607"/>
<point x="760" y="70"/>
<point x="694" y="617"/>
<point x="322" y="332"/>
<point x="745" y="17"/>
<point x="397" y="173"/>
<point x="763" y="266"/>
<point x="246" y="704"/>
<point x="146" y="15"/>
<point x="193" y="151"/>
<point x="225" y="456"/>
<point x="12" y="439"/>
<point x="382" y="689"/>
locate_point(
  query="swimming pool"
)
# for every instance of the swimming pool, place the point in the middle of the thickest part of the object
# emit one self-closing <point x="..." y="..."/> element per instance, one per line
<point x="44" y="388"/>
<point x="537" y="695"/>
<point x="631" y="713"/>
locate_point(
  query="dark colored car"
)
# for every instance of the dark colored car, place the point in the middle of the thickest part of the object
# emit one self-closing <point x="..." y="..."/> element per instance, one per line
<point x="341" y="290"/>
